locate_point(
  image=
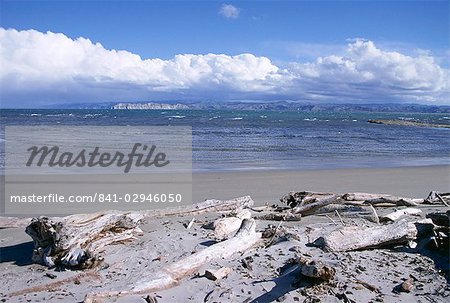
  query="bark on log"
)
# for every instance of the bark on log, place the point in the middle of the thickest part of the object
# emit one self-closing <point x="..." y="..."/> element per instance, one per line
<point x="354" y="238"/>
<point x="171" y="275"/>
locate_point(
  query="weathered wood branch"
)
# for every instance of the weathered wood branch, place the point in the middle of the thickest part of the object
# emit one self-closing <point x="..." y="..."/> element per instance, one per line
<point x="310" y="208"/>
<point x="207" y="206"/>
<point x="172" y="275"/>
<point x="436" y="197"/>
<point x="355" y="238"/>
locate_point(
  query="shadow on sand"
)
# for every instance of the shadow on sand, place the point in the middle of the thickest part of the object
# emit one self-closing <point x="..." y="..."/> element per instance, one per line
<point x="20" y="254"/>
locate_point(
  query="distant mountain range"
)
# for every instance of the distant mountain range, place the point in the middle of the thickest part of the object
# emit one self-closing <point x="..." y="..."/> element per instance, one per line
<point x="269" y="106"/>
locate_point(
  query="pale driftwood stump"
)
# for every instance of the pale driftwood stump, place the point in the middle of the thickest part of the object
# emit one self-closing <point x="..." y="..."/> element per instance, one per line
<point x="76" y="241"/>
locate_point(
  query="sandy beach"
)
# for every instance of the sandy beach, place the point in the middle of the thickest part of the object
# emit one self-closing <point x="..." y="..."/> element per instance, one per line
<point x="264" y="273"/>
<point x="269" y="186"/>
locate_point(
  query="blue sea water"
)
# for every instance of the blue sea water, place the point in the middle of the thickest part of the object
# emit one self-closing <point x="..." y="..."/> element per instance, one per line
<point x="226" y="140"/>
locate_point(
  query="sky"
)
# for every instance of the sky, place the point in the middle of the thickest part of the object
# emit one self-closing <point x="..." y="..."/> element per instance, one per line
<point x="57" y="52"/>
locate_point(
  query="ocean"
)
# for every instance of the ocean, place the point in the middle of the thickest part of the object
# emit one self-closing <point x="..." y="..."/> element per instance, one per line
<point x="230" y="140"/>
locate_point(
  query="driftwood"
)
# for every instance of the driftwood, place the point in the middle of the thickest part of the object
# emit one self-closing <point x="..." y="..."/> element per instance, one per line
<point x="351" y="211"/>
<point x="355" y="238"/>
<point x="172" y="275"/>
<point x="376" y="199"/>
<point x="76" y="243"/>
<point x="396" y="215"/>
<point x="309" y="203"/>
<point x="225" y="228"/>
<point x="76" y="240"/>
<point x="310" y="208"/>
<point x="278" y="216"/>
<point x="437" y="197"/>
<point x="207" y="206"/>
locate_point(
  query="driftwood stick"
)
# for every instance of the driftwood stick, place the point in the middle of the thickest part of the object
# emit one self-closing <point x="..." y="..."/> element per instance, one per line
<point x="89" y="275"/>
<point x="172" y="275"/>
<point x="340" y="218"/>
<point x="442" y="200"/>
<point x="278" y="216"/>
<point x="435" y="196"/>
<point x="351" y="238"/>
<point x="396" y="215"/>
<point x="307" y="209"/>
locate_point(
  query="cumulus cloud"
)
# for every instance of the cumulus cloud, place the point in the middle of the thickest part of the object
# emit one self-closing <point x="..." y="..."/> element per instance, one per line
<point x="40" y="67"/>
<point x="229" y="11"/>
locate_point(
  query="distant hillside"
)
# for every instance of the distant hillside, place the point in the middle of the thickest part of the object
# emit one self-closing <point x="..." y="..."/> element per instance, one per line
<point x="269" y="106"/>
<point x="149" y="106"/>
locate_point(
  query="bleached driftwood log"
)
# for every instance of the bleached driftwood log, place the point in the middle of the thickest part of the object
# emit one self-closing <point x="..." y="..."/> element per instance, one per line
<point x="351" y="238"/>
<point x="377" y="199"/>
<point x="171" y="275"/>
<point x="76" y="241"/>
<point x="207" y="206"/>
<point x="225" y="228"/>
<point x="396" y="215"/>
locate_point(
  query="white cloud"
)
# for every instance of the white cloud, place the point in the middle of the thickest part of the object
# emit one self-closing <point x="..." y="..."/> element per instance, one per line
<point x="229" y="11"/>
<point x="38" y="67"/>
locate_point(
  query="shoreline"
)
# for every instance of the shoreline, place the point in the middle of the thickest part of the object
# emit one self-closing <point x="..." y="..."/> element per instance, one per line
<point x="267" y="186"/>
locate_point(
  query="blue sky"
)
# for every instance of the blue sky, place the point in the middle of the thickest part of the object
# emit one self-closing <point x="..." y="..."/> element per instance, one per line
<point x="293" y="35"/>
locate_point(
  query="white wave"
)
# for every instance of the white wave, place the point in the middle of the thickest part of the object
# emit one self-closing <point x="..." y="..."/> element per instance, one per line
<point x="177" y="117"/>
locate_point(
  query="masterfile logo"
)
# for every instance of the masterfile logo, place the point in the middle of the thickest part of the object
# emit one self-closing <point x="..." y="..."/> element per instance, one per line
<point x="52" y="156"/>
<point x="72" y="169"/>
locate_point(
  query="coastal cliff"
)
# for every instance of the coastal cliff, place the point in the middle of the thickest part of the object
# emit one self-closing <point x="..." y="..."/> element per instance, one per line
<point x="149" y="106"/>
